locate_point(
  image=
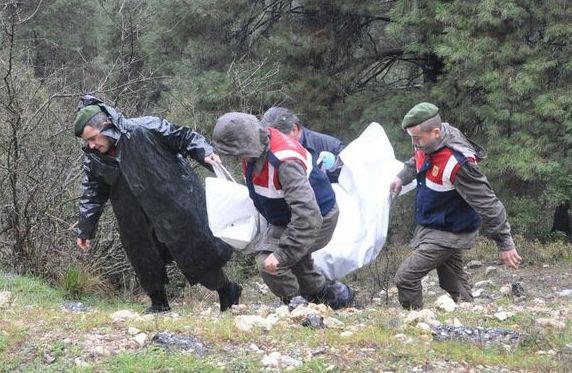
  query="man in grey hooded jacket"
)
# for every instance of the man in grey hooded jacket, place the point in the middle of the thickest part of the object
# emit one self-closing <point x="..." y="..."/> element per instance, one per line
<point x="296" y="199"/>
<point x="453" y="197"/>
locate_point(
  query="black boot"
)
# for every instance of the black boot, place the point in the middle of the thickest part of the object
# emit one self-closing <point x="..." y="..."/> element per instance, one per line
<point x="340" y="295"/>
<point x="159" y="302"/>
<point x="157" y="308"/>
<point x="228" y="295"/>
<point x="319" y="297"/>
<point x="334" y="294"/>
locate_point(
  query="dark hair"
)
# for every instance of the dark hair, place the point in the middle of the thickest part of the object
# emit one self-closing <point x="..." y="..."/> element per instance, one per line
<point x="431" y="124"/>
<point x="280" y="118"/>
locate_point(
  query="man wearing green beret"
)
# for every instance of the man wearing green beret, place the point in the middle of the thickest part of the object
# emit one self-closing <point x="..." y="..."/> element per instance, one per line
<point x="453" y="200"/>
<point x="139" y="165"/>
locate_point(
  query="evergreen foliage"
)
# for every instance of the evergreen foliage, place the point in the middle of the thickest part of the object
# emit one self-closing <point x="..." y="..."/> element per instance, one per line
<point x="501" y="70"/>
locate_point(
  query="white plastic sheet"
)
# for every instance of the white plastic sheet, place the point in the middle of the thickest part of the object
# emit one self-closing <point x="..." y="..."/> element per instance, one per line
<point x="232" y="215"/>
<point x="364" y="201"/>
<point x="362" y="195"/>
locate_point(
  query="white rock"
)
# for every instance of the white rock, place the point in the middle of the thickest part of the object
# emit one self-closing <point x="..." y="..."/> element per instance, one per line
<point x="445" y="303"/>
<point x="133" y="331"/>
<point x="563" y="293"/>
<point x="477" y="292"/>
<point x="100" y="350"/>
<point x="505" y="289"/>
<point x="282" y="312"/>
<point x="141" y="338"/>
<point x="545" y="266"/>
<point x="239" y="309"/>
<point x="80" y="362"/>
<point x="264" y="311"/>
<point x="502" y="316"/>
<point x="490" y="270"/>
<point x="474" y="264"/>
<point x="346" y="334"/>
<point x="482" y="284"/>
<point x="424" y="326"/>
<point x="5" y="298"/>
<point x="465" y="305"/>
<point x="401" y="337"/>
<point x="332" y="323"/>
<point x="262" y="287"/>
<point x="550" y="323"/>
<point x="207" y="312"/>
<point x="289" y="362"/>
<point x="457" y="322"/>
<point x="271" y="360"/>
<point x="123" y="315"/>
<point x="253" y="347"/>
<point x="539" y="301"/>
<point x="48" y="359"/>
<point x="247" y="322"/>
<point x="148" y="317"/>
<point x="277" y="360"/>
<point x="424" y="315"/>
<point x="301" y="313"/>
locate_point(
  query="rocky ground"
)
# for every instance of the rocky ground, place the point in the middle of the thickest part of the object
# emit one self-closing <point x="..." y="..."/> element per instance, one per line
<point x="520" y="321"/>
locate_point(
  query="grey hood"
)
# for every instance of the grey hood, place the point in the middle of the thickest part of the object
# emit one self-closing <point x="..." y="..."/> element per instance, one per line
<point x="453" y="138"/>
<point x="240" y="135"/>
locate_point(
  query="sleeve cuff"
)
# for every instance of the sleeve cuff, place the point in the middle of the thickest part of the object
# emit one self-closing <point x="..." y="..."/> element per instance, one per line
<point x="506" y="244"/>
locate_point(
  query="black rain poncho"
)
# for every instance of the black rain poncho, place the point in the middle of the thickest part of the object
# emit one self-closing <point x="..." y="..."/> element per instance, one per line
<point x="157" y="198"/>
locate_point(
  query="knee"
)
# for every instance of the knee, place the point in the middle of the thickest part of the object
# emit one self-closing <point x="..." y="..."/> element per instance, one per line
<point x="400" y="278"/>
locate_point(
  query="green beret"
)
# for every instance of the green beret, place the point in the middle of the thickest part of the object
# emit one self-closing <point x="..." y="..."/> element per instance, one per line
<point x="419" y="114"/>
<point x="83" y="116"/>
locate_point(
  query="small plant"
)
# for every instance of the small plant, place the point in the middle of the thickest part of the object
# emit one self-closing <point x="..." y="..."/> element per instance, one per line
<point x="78" y="281"/>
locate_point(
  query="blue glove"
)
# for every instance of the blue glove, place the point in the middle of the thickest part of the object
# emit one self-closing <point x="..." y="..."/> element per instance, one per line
<point x="326" y="161"/>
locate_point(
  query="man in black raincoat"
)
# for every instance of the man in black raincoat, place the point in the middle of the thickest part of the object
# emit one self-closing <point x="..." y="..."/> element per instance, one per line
<point x="139" y="165"/>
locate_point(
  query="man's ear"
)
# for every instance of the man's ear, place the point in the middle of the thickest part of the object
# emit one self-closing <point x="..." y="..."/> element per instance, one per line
<point x="437" y="132"/>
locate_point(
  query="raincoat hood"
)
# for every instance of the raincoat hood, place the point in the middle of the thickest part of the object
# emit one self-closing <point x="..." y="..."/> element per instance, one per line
<point x="240" y="135"/>
<point x="453" y="138"/>
<point x="112" y="113"/>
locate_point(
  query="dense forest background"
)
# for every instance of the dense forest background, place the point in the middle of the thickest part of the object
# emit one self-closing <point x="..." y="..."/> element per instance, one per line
<point x="501" y="70"/>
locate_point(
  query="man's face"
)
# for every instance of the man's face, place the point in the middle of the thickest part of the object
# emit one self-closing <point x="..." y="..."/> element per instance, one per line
<point x="421" y="139"/>
<point x="95" y="140"/>
<point x="295" y="133"/>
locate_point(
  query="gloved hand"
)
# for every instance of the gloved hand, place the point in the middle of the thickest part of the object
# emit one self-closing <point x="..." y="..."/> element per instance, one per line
<point x="326" y="160"/>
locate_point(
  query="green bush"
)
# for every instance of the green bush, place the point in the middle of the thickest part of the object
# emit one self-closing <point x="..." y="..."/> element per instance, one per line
<point x="77" y="281"/>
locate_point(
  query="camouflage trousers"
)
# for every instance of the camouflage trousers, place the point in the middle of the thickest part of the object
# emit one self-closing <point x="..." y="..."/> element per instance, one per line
<point x="449" y="265"/>
<point x="295" y="277"/>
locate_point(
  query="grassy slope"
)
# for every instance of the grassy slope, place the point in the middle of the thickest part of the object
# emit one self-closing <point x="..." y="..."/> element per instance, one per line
<point x="34" y="331"/>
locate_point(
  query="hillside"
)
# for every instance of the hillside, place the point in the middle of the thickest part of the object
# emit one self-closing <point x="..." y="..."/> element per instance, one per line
<point x="501" y="331"/>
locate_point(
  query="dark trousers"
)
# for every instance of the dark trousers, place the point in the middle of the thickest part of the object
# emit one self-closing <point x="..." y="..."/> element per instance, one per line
<point x="296" y="276"/>
<point x="449" y="265"/>
<point x="147" y="254"/>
